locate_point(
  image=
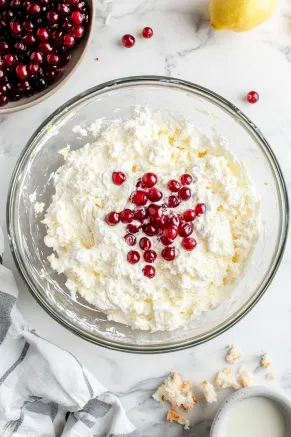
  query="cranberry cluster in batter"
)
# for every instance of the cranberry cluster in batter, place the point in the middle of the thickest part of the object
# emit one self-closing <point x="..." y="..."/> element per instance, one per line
<point x="156" y="220"/>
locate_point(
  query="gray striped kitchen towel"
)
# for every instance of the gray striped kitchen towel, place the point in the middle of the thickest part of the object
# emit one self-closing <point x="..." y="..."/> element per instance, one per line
<point x="44" y="390"/>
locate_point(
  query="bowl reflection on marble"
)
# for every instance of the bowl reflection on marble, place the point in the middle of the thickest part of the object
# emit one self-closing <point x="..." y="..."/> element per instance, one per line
<point x="114" y="100"/>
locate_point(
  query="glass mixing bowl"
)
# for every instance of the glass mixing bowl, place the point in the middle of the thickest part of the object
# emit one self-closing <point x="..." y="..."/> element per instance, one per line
<point x="112" y="100"/>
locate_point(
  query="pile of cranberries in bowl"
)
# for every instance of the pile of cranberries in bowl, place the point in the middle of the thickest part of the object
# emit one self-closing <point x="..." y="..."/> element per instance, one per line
<point x="36" y="40"/>
<point x="156" y="220"/>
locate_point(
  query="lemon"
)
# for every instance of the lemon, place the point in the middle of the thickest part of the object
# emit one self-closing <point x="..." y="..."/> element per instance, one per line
<point x="240" y="15"/>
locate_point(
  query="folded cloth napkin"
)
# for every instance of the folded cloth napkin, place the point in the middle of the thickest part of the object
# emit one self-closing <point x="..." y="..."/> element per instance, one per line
<point x="44" y="390"/>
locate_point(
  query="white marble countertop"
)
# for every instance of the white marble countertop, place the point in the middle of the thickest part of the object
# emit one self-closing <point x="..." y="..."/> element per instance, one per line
<point x="184" y="46"/>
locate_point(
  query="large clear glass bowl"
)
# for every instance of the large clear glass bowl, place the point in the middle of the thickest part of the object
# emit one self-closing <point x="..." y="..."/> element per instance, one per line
<point x="112" y="100"/>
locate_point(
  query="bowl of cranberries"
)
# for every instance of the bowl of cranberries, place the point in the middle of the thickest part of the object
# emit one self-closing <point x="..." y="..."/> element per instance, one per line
<point x="41" y="44"/>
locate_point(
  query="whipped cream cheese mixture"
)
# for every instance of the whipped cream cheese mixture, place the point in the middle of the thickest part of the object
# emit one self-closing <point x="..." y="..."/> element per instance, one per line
<point x="93" y="255"/>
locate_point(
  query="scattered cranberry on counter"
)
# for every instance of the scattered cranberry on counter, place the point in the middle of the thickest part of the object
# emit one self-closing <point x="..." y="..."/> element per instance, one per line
<point x="128" y="41"/>
<point x="147" y="32"/>
<point x="36" y="40"/>
<point x="253" y="97"/>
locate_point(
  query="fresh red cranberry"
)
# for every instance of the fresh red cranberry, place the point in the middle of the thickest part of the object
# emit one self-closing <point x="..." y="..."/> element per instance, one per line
<point x="189" y="243"/>
<point x="139" y="183"/>
<point x="150" y="256"/>
<point x="8" y="15"/>
<point x="3" y="3"/>
<point x="174" y="186"/>
<point x="169" y="253"/>
<point x="161" y="223"/>
<point x="170" y="232"/>
<point x="77" y="17"/>
<point x="200" y="209"/>
<point x="155" y="212"/>
<point x="186" y="179"/>
<point x="185" y="229"/>
<point x="78" y="31"/>
<point x="19" y="47"/>
<point x="3" y="100"/>
<point x="3" y="89"/>
<point x="149" y="271"/>
<point x="24" y="86"/>
<point x="36" y="57"/>
<point x="52" y="17"/>
<point x="130" y="239"/>
<point x="166" y="241"/>
<point x="147" y="32"/>
<point x="145" y="243"/>
<point x="43" y="34"/>
<point x="69" y="40"/>
<point x="33" y="69"/>
<point x="139" y="198"/>
<point x="118" y="178"/>
<point x="132" y="229"/>
<point x="28" y="25"/>
<point x="133" y="257"/>
<point x="154" y="194"/>
<point x="150" y="229"/>
<point x="173" y="201"/>
<point x="9" y="60"/>
<point x="126" y="216"/>
<point x="173" y="220"/>
<point x="15" y="4"/>
<point x="184" y="193"/>
<point x="15" y="28"/>
<point x="140" y="213"/>
<point x="128" y="41"/>
<point x="29" y="39"/>
<point x="149" y="180"/>
<point x="45" y="47"/>
<point x="33" y="9"/>
<point x="63" y="9"/>
<point x="21" y="71"/>
<point x="53" y="59"/>
<point x="4" y="46"/>
<point x="189" y="215"/>
<point x="253" y="97"/>
<point x="112" y="218"/>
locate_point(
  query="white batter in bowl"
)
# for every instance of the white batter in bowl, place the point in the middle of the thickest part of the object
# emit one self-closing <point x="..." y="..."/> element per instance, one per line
<point x="93" y="255"/>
